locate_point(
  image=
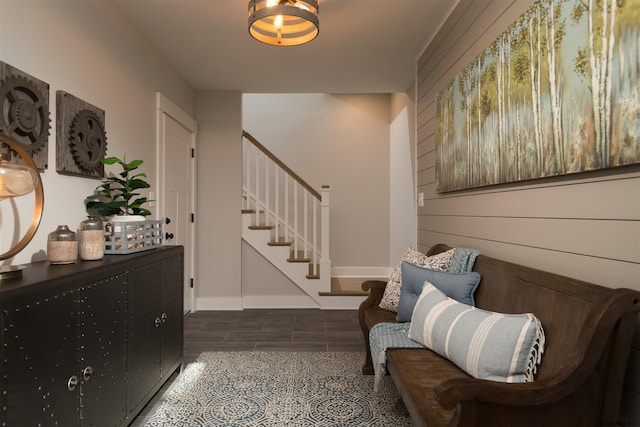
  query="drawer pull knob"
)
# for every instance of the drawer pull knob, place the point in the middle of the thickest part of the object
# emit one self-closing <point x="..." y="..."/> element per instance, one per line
<point x="72" y="383"/>
<point x="87" y="373"/>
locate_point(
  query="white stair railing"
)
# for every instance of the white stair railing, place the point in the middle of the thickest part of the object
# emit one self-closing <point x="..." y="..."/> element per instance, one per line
<point x="297" y="213"/>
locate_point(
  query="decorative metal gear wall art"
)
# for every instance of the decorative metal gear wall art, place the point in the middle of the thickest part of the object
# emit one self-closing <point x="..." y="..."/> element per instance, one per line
<point x="24" y="113"/>
<point x="88" y="140"/>
<point x="82" y="140"/>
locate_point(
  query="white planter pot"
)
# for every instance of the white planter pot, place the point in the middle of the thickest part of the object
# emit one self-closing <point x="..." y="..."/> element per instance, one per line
<point x="126" y="218"/>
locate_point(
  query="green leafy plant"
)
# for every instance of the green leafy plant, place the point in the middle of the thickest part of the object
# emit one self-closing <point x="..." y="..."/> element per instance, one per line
<point x="119" y="194"/>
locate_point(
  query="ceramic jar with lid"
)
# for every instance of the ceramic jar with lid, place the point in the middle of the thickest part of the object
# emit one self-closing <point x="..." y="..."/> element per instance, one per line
<point x="91" y="238"/>
<point x="62" y="246"/>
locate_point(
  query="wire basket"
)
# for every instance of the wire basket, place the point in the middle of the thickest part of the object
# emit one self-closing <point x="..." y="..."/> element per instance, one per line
<point x="126" y="237"/>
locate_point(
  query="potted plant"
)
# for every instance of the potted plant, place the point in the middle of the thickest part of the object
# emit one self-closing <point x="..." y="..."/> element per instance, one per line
<point x="118" y="195"/>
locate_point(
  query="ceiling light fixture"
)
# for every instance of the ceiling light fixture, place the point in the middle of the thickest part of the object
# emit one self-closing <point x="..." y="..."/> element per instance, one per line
<point x="283" y="22"/>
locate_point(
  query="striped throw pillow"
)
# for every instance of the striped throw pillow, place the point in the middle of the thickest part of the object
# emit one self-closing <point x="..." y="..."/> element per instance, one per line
<point x="486" y="345"/>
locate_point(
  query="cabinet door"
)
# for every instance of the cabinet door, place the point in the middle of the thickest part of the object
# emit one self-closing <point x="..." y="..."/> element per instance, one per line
<point x="143" y="343"/>
<point x="172" y="313"/>
<point x="40" y="363"/>
<point x="103" y="360"/>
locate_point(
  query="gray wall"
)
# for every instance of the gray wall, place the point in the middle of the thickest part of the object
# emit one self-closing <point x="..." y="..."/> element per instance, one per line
<point x="218" y="200"/>
<point x="89" y="49"/>
<point x="585" y="226"/>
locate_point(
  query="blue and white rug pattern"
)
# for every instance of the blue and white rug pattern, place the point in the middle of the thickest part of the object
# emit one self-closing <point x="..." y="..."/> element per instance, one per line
<point x="279" y="389"/>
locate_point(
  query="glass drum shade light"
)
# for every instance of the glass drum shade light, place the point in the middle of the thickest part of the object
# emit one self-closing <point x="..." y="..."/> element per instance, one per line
<point x="283" y="22"/>
<point x="15" y="179"/>
<point x="18" y="180"/>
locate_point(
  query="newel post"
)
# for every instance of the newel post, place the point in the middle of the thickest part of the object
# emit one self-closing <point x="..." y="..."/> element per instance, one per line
<point x="325" y="261"/>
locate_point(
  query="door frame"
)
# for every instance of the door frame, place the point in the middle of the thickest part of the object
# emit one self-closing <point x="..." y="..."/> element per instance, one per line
<point x="165" y="106"/>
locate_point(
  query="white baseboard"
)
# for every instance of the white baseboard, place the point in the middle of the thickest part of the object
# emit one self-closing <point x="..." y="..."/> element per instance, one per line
<point x="369" y="272"/>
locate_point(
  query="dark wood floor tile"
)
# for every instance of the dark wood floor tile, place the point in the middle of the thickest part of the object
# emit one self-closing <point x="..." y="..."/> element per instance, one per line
<point x="252" y="336"/>
<point x="301" y="347"/>
<point x="196" y="348"/>
<point x="191" y="322"/>
<point x="193" y="326"/>
<point x="267" y="317"/>
<point x="213" y="315"/>
<point x="348" y="315"/>
<point x="331" y="336"/>
<point x="341" y="326"/>
<point x="205" y="336"/>
<point x="253" y="325"/>
<point x="296" y="310"/>
<point x="309" y="315"/>
<point x="294" y="326"/>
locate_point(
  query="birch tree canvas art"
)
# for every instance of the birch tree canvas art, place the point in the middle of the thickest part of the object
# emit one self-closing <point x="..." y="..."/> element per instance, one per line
<point x="556" y="93"/>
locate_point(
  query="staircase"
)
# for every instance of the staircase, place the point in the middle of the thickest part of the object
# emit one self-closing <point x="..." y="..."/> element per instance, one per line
<point x="287" y="222"/>
<point x="285" y="219"/>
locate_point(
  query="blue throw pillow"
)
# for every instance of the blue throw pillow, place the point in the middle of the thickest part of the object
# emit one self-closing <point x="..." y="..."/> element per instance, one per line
<point x="459" y="286"/>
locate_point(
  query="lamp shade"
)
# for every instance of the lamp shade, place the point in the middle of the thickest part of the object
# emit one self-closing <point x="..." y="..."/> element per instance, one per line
<point x="283" y="22"/>
<point x="16" y="179"/>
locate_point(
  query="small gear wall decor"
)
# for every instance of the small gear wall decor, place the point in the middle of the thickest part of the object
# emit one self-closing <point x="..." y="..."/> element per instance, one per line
<point x="24" y="113"/>
<point x="82" y="140"/>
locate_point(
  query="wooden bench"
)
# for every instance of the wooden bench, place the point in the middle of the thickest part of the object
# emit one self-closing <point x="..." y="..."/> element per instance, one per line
<point x="588" y="331"/>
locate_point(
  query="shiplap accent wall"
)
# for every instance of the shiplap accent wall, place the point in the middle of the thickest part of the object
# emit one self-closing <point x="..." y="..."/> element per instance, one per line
<point x="585" y="226"/>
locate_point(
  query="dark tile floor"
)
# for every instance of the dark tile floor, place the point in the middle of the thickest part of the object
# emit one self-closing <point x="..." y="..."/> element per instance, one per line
<point x="272" y="330"/>
<point x="264" y="330"/>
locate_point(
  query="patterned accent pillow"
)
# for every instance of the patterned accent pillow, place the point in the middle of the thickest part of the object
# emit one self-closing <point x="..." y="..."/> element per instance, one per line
<point x="438" y="262"/>
<point x="484" y="344"/>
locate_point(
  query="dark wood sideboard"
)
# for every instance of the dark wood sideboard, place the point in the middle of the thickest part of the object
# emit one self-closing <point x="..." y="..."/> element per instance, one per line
<point x="90" y="343"/>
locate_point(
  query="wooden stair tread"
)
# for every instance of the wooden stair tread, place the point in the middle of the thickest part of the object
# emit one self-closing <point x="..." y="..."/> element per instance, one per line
<point x="343" y="294"/>
<point x="261" y="227"/>
<point x="298" y="256"/>
<point x="346" y="286"/>
<point x="280" y="243"/>
<point x="292" y="259"/>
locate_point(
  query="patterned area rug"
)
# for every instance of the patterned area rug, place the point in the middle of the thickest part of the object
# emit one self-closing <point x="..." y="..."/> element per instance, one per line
<point x="279" y="389"/>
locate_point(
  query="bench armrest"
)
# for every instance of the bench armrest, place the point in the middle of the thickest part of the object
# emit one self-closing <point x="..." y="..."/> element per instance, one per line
<point x="374" y="284"/>
<point x="456" y="391"/>
<point x="376" y="291"/>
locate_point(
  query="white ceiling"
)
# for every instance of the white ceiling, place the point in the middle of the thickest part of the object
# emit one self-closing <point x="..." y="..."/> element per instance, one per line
<point x="364" y="46"/>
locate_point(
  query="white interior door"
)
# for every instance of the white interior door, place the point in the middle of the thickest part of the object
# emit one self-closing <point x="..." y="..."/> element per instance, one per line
<point x="177" y="140"/>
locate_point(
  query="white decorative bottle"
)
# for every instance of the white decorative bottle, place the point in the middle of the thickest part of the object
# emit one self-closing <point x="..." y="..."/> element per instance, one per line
<point x="91" y="239"/>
